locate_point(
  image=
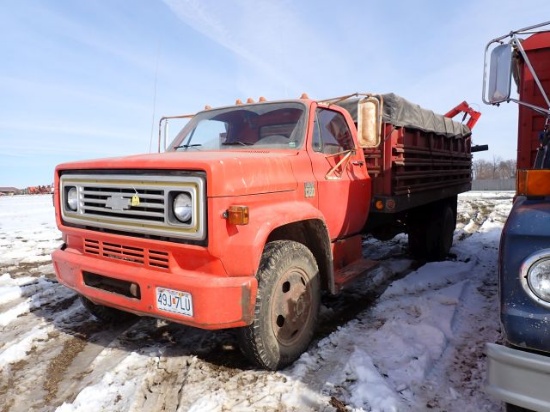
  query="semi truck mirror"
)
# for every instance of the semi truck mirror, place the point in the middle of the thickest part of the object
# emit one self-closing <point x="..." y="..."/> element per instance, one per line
<point x="368" y="122"/>
<point x="500" y="74"/>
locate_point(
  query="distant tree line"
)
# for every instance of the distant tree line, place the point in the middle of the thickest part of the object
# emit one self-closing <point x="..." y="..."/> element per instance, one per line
<point x="495" y="169"/>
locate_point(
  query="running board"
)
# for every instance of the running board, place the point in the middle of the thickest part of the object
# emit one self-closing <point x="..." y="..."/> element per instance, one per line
<point x="347" y="274"/>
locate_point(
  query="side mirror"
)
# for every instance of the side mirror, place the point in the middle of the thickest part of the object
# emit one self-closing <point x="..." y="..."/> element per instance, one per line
<point x="368" y="122"/>
<point x="163" y="133"/>
<point x="500" y="74"/>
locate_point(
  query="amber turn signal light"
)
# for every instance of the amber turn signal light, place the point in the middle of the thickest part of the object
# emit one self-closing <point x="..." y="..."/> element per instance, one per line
<point x="533" y="182"/>
<point x="237" y="215"/>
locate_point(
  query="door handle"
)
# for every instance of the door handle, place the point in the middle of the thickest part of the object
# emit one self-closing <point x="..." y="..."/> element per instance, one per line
<point x="358" y="163"/>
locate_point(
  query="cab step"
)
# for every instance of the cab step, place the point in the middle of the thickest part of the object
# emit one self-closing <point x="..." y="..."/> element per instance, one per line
<point x="348" y="273"/>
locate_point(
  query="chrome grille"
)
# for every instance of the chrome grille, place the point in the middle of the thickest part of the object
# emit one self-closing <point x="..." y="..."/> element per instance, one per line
<point x="134" y="204"/>
<point x="96" y="200"/>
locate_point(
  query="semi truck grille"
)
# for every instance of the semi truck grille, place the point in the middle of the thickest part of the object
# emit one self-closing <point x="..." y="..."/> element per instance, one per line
<point x="139" y="205"/>
<point x="142" y="257"/>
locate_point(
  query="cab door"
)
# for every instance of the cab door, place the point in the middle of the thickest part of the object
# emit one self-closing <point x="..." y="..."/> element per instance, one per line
<point x="343" y="184"/>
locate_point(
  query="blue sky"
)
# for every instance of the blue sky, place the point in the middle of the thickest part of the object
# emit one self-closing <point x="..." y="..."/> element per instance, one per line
<point x="90" y="79"/>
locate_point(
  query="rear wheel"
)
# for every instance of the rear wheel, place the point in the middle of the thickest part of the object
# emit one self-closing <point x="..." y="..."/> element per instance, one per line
<point x="287" y="305"/>
<point x="431" y="230"/>
<point x="105" y="313"/>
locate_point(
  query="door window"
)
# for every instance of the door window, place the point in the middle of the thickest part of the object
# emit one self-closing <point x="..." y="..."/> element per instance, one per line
<point x="331" y="133"/>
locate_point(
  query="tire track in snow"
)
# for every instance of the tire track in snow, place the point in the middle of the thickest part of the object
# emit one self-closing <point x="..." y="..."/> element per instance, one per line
<point x="465" y="351"/>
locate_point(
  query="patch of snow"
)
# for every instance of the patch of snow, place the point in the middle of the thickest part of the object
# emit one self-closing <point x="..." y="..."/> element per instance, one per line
<point x="417" y="346"/>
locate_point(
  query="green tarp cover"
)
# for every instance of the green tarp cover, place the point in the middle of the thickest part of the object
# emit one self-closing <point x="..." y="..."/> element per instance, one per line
<point x="402" y="113"/>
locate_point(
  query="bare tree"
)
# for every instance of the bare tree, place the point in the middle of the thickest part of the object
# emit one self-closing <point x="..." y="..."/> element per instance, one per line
<point x="495" y="169"/>
<point x="511" y="167"/>
<point x="481" y="169"/>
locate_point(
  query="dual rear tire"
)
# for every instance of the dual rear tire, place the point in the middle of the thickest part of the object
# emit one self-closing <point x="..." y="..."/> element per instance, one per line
<point x="431" y="230"/>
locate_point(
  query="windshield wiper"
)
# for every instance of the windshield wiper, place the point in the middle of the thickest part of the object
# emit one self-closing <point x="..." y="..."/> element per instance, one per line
<point x="236" y="142"/>
<point x="187" y="146"/>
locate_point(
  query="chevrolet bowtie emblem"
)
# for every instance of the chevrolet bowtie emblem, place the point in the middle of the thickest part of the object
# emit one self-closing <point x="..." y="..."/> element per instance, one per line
<point x="118" y="203"/>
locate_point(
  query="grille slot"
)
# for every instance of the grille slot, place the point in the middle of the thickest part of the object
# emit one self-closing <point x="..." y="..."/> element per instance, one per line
<point x="138" y="256"/>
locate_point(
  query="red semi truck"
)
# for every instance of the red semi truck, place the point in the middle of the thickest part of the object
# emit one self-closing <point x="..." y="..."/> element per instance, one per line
<point x="519" y="370"/>
<point x="254" y="210"/>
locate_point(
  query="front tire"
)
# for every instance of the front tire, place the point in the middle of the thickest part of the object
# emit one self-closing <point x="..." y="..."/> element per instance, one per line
<point x="287" y="306"/>
<point x="105" y="313"/>
<point x="514" y="408"/>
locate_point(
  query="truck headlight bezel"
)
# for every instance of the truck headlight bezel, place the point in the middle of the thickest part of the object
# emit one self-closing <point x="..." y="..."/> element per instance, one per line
<point x="535" y="277"/>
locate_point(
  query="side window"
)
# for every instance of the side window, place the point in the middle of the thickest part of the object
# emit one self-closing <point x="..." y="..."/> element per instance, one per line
<point x="317" y="141"/>
<point x="331" y="133"/>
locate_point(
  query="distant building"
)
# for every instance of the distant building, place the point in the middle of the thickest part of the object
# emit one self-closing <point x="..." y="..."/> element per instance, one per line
<point x="38" y="190"/>
<point x="8" y="191"/>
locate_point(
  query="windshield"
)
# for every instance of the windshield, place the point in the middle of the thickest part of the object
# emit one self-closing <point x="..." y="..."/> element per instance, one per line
<point x="262" y="126"/>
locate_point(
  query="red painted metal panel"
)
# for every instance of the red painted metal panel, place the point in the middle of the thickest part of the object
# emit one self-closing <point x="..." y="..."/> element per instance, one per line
<point x="410" y="161"/>
<point x="531" y="123"/>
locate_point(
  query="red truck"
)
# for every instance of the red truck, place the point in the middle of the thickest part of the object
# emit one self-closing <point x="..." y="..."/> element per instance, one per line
<point x="519" y="370"/>
<point x="254" y="210"/>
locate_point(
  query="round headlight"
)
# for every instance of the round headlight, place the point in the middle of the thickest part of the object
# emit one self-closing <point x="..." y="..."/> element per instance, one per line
<point x="538" y="279"/>
<point x="72" y="199"/>
<point x="183" y="207"/>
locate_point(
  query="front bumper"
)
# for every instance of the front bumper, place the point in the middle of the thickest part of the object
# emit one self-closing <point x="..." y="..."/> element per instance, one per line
<point x="219" y="301"/>
<point x="518" y="377"/>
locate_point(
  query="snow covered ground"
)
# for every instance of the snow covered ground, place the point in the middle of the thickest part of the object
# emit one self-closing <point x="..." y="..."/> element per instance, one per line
<point x="409" y="338"/>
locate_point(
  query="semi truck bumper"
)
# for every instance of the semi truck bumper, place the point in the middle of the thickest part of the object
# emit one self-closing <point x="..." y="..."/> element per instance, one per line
<point x="519" y="378"/>
<point x="192" y="298"/>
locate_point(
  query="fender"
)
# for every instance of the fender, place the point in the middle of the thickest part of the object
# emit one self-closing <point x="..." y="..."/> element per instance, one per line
<point x="244" y="247"/>
<point x="525" y="233"/>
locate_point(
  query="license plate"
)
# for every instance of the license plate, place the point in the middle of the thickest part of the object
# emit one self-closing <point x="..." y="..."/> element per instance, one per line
<point x="175" y="301"/>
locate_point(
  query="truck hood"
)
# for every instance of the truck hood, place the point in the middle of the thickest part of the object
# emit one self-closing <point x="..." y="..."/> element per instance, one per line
<point x="231" y="173"/>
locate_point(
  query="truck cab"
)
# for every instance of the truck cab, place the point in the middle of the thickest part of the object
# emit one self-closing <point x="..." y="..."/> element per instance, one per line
<point x="518" y="371"/>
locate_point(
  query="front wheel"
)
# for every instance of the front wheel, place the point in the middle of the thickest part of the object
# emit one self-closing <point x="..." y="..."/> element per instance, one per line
<point x="513" y="408"/>
<point x="287" y="305"/>
<point x="105" y="313"/>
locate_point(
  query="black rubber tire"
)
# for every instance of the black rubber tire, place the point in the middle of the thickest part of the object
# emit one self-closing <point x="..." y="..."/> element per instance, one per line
<point x="513" y="408"/>
<point x="417" y="236"/>
<point x="107" y="314"/>
<point x="430" y="231"/>
<point x="448" y="226"/>
<point x="287" y="306"/>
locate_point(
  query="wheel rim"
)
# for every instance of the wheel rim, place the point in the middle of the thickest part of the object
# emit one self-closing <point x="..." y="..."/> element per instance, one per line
<point x="291" y="306"/>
